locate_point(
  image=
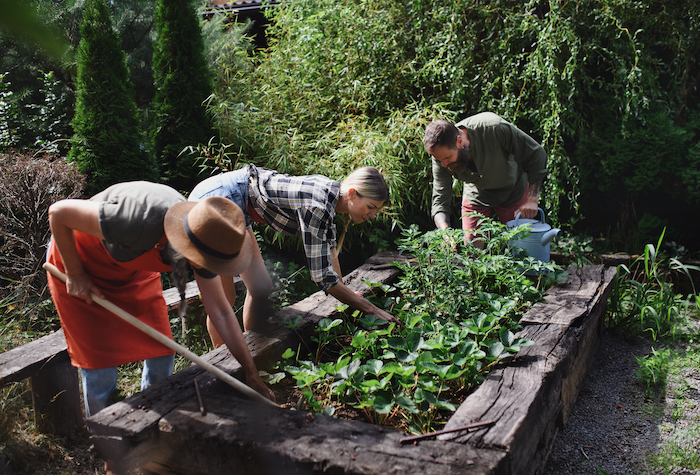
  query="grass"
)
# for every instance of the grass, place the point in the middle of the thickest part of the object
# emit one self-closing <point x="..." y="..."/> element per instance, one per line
<point x="680" y="445"/>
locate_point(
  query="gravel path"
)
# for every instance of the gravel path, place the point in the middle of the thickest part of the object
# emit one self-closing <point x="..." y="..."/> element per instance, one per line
<point x="614" y="428"/>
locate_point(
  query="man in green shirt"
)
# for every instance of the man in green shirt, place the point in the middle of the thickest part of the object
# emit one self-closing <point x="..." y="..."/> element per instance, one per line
<point x="501" y="166"/>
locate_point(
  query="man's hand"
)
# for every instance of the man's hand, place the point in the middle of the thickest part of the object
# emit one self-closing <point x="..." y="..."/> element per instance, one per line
<point x="442" y="221"/>
<point x="528" y="210"/>
<point x="259" y="386"/>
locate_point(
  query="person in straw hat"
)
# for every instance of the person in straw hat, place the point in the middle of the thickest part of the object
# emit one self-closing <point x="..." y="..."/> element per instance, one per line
<point x="298" y="205"/>
<point x="116" y="244"/>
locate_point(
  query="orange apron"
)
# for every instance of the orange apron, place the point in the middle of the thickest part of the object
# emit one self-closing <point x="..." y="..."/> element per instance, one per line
<point x="96" y="337"/>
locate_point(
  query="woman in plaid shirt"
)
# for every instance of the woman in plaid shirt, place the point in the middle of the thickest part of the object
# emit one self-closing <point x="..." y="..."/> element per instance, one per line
<point x="293" y="205"/>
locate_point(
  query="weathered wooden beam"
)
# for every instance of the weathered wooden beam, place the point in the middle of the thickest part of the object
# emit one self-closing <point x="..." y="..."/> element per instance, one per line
<point x="532" y="395"/>
<point x="27" y="360"/>
<point x="280" y="442"/>
<point x="529" y="398"/>
<point x="56" y="399"/>
<point x="54" y="382"/>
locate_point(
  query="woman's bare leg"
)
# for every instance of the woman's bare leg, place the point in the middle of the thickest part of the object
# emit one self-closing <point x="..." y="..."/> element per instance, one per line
<point x="259" y="287"/>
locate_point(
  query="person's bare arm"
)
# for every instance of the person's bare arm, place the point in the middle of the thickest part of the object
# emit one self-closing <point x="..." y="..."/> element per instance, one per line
<point x="224" y="320"/>
<point x="65" y="217"/>
<point x="529" y="209"/>
<point x="335" y="263"/>
<point x="354" y="299"/>
<point x="343" y="293"/>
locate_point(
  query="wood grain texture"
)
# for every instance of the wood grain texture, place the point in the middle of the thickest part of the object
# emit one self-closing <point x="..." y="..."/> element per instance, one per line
<point x="529" y="396"/>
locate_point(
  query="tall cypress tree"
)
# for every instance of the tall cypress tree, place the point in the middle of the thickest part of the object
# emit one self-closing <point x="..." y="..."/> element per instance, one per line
<point x="108" y="144"/>
<point x="183" y="83"/>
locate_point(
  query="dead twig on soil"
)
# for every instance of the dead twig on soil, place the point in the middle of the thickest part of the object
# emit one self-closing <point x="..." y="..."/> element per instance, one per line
<point x="415" y="438"/>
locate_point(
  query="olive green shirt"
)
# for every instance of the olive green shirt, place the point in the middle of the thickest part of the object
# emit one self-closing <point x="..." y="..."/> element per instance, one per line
<point x="506" y="159"/>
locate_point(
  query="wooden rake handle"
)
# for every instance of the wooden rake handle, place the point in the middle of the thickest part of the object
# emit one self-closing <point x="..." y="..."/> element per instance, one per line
<point x="179" y="349"/>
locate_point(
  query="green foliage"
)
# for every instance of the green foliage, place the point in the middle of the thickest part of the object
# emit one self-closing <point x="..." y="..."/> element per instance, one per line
<point x="108" y="145"/>
<point x="644" y="300"/>
<point x="183" y="83"/>
<point x="337" y="84"/>
<point x="40" y="120"/>
<point x="640" y="168"/>
<point x="459" y="313"/>
<point x="20" y="19"/>
<point x="653" y="369"/>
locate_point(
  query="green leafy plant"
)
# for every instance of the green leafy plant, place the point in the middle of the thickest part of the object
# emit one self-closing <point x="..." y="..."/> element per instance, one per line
<point x="183" y="83"/>
<point x="644" y="299"/>
<point x="653" y="369"/>
<point x="459" y="313"/>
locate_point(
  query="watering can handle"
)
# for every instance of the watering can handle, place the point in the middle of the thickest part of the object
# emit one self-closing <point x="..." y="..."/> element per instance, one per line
<point x="541" y="213"/>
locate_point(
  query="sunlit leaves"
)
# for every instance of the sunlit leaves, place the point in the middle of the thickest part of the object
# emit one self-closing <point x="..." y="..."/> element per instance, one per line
<point x="459" y="312"/>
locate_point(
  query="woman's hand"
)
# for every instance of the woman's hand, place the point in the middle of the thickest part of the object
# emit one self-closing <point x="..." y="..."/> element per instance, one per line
<point x="82" y="287"/>
<point x="379" y="313"/>
<point x="258" y="385"/>
<point x="355" y="300"/>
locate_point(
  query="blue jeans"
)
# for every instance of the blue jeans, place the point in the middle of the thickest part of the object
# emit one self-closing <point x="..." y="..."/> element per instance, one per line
<point x="231" y="185"/>
<point x="99" y="384"/>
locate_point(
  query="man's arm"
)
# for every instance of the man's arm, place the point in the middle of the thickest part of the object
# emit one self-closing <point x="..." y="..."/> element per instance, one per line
<point x="532" y="158"/>
<point x="529" y="209"/>
<point x="442" y="195"/>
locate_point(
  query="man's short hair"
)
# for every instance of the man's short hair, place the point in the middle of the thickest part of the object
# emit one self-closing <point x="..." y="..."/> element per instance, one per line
<point x="440" y="133"/>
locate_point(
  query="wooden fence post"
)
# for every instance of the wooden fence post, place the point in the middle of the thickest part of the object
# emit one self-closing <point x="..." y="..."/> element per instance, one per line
<point x="56" y="398"/>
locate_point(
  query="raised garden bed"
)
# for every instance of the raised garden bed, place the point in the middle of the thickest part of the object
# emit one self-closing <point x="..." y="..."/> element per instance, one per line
<point x="527" y="398"/>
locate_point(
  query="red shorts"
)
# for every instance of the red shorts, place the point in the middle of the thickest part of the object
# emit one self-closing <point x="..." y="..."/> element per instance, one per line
<point x="505" y="213"/>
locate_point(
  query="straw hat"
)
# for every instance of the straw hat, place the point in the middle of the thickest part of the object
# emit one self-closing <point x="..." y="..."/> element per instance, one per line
<point x="211" y="233"/>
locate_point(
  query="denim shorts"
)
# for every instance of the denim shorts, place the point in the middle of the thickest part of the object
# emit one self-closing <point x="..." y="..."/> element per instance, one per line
<point x="231" y="185"/>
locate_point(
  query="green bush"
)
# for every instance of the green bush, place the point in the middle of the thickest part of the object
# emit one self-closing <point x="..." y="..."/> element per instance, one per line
<point x="108" y="144"/>
<point x="183" y="83"/>
<point x="337" y="73"/>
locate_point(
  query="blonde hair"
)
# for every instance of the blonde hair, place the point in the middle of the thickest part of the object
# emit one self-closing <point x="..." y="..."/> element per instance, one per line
<point x="367" y="182"/>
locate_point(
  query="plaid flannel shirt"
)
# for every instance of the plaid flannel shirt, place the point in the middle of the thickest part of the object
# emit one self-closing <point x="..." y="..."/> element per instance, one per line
<point x="300" y="205"/>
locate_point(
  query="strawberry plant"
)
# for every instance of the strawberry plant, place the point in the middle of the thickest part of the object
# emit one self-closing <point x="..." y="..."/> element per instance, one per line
<point x="459" y="312"/>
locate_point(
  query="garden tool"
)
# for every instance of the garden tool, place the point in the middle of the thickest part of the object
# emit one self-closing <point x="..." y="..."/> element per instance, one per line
<point x="179" y="349"/>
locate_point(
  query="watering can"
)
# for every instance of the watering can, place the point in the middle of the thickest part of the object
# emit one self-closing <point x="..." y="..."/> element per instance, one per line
<point x="537" y="243"/>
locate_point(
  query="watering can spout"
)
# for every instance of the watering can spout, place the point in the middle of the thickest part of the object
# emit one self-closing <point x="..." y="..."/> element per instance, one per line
<point x="548" y="236"/>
